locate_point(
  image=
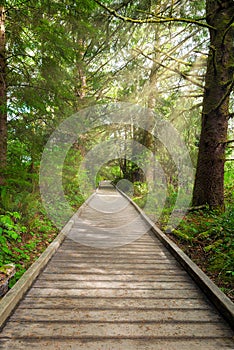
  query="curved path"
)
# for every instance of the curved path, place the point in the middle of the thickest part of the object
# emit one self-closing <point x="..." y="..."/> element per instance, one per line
<point x="113" y="285"/>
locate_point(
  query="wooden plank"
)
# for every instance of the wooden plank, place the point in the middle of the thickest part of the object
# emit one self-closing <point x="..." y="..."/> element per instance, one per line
<point x="125" y="293"/>
<point x="97" y="254"/>
<point x="71" y="244"/>
<point x="87" y="303"/>
<point x="112" y="315"/>
<point x="127" y="258"/>
<point x="140" y="343"/>
<point x="123" y="251"/>
<point x="124" y="248"/>
<point x="114" y="285"/>
<point x="100" y="270"/>
<point x="114" y="259"/>
<point x="113" y="265"/>
<point x="118" y="330"/>
<point x="110" y="277"/>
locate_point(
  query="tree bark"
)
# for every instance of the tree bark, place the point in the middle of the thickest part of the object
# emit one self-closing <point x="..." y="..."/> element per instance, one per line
<point x="3" y="98"/>
<point x="209" y="181"/>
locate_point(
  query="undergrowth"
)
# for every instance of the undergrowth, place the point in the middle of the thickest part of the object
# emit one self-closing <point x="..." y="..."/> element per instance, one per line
<point x="25" y="229"/>
<point x="208" y="239"/>
<point x="25" y="232"/>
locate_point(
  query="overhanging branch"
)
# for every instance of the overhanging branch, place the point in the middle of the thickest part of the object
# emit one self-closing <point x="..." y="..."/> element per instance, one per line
<point x="154" y="19"/>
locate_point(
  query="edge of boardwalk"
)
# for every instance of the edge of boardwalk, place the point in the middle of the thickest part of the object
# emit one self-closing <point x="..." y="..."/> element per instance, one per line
<point x="14" y="295"/>
<point x="224" y="304"/>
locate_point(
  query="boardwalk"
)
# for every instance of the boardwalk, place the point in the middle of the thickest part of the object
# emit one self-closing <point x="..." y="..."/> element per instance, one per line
<point x="103" y="295"/>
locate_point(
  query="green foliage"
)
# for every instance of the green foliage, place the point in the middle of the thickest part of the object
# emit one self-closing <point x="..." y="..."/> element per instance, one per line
<point x="75" y="178"/>
<point x="19" y="272"/>
<point x="228" y="180"/>
<point x="22" y="244"/>
<point x="24" y="230"/>
<point x="140" y="193"/>
<point x="140" y="188"/>
<point x="10" y="230"/>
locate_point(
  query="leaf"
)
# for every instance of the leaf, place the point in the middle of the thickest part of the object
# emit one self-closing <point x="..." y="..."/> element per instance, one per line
<point x="6" y="220"/>
<point x="230" y="273"/>
<point x="12" y="234"/>
<point x="16" y="215"/>
<point x="6" y="250"/>
<point x="204" y="234"/>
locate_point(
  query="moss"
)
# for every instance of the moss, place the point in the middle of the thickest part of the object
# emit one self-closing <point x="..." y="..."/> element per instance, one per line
<point x="7" y="269"/>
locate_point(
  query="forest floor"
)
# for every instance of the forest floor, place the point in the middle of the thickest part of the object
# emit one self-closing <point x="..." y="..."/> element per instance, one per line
<point x="201" y="258"/>
<point x="207" y="238"/>
<point x="21" y="245"/>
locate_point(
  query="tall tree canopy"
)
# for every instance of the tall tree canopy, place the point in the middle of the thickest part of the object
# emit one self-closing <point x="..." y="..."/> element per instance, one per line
<point x="176" y="57"/>
<point x="218" y="83"/>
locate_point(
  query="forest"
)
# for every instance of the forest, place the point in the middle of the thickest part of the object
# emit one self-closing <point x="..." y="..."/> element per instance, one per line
<point x="136" y="92"/>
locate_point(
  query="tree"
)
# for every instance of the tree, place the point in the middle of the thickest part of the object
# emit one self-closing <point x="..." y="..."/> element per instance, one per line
<point x="3" y="97"/>
<point x="209" y="183"/>
<point x="219" y="81"/>
<point x="37" y="56"/>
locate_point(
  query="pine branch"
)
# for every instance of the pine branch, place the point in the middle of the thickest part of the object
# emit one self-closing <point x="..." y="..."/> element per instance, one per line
<point x="175" y="70"/>
<point x="154" y="19"/>
<point x="8" y="9"/>
<point x="227" y="142"/>
<point x="174" y="58"/>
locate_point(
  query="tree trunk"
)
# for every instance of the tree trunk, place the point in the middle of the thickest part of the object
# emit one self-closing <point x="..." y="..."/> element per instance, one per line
<point x="209" y="181"/>
<point x="3" y="113"/>
<point x="81" y="83"/>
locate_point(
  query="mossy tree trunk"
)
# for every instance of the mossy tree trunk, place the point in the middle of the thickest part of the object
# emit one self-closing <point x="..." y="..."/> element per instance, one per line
<point x="3" y="113"/>
<point x="209" y="182"/>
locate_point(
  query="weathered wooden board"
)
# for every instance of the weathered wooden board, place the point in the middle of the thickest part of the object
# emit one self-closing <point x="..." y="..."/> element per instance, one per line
<point x="95" y="303"/>
<point x="108" y="293"/>
<point x="112" y="315"/>
<point x="115" y="329"/>
<point x="127" y="278"/>
<point x="119" y="344"/>
<point x="114" y="285"/>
